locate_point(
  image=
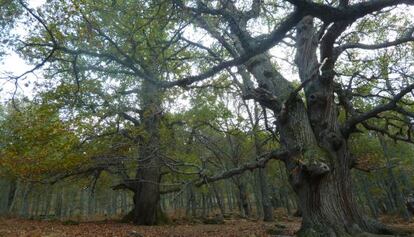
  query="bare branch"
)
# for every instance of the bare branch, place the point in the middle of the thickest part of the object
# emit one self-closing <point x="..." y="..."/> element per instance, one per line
<point x="260" y="163"/>
<point x="260" y="46"/>
<point x="392" y="104"/>
<point x="352" y="12"/>
<point x="407" y="37"/>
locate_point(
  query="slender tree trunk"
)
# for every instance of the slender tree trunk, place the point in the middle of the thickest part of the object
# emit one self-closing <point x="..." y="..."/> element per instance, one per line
<point x="123" y="202"/>
<point x="257" y="195"/>
<point x="24" y="209"/>
<point x="37" y="201"/>
<point x="394" y="189"/>
<point x="242" y="197"/>
<point x="48" y="201"/>
<point x="82" y="203"/>
<point x="229" y="196"/>
<point x="266" y="203"/>
<point x="91" y="203"/>
<point x="4" y="185"/>
<point x="244" y="200"/>
<point x="203" y="206"/>
<point x="191" y="202"/>
<point x="12" y="195"/>
<point x="219" y="199"/>
<point x="59" y="204"/>
<point x="370" y="201"/>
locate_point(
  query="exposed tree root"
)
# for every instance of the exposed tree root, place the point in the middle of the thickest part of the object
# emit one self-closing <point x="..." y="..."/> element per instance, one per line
<point x="378" y="230"/>
<point x="162" y="218"/>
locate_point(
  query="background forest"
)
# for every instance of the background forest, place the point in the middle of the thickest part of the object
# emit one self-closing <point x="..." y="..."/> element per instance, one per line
<point x="154" y="112"/>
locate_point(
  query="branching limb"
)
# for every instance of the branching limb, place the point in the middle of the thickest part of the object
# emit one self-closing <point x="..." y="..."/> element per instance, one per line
<point x="391" y="105"/>
<point x="407" y="37"/>
<point x="259" y="163"/>
<point x="351" y="12"/>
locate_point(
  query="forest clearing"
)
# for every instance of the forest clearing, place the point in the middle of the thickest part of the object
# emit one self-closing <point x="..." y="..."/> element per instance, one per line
<point x="207" y="118"/>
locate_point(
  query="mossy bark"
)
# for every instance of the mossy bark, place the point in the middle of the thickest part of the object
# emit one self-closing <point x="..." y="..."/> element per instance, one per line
<point x="320" y="171"/>
<point x="146" y="185"/>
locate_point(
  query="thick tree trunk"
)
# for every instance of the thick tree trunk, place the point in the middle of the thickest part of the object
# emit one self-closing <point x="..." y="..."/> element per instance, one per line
<point x="323" y="183"/>
<point x="319" y="164"/>
<point x="146" y="186"/>
<point x="147" y="209"/>
<point x="328" y="206"/>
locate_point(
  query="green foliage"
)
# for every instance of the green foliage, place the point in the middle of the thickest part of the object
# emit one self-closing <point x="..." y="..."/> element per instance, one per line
<point x="10" y="10"/>
<point x="37" y="143"/>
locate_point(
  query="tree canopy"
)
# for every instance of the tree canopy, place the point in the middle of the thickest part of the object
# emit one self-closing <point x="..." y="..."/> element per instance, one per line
<point x="168" y="96"/>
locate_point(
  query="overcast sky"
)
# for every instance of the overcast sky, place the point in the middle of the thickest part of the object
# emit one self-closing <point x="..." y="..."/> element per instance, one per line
<point x="15" y="65"/>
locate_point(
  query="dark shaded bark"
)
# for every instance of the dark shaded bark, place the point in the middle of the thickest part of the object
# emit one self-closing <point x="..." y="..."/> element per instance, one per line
<point x="323" y="184"/>
<point x="320" y="174"/>
<point x="147" y="209"/>
<point x="191" y="202"/>
<point x="12" y="194"/>
<point x="24" y="208"/>
<point x="204" y="207"/>
<point x="397" y="197"/>
<point x="91" y="202"/>
<point x="372" y="204"/>
<point x="219" y="199"/>
<point x="243" y="200"/>
<point x="266" y="204"/>
<point x="146" y="185"/>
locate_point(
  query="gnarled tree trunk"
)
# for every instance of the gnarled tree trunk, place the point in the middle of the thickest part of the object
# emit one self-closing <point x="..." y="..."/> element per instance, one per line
<point x="328" y="206"/>
<point x="147" y="209"/>
<point x="319" y="167"/>
<point x="146" y="185"/>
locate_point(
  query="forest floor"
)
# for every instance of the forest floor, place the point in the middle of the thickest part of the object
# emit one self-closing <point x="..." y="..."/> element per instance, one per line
<point x="231" y="228"/>
<point x="283" y="226"/>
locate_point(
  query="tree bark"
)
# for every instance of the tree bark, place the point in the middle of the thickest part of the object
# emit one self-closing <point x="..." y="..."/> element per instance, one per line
<point x="320" y="172"/>
<point x="323" y="183"/>
<point x="91" y="202"/>
<point x="146" y="186"/>
<point x="12" y="195"/>
<point x="191" y="202"/>
<point x="4" y="185"/>
<point x="394" y="187"/>
<point x="266" y="203"/>
<point x="219" y="199"/>
<point x="147" y="210"/>
<point x="242" y="197"/>
<point x="24" y="208"/>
